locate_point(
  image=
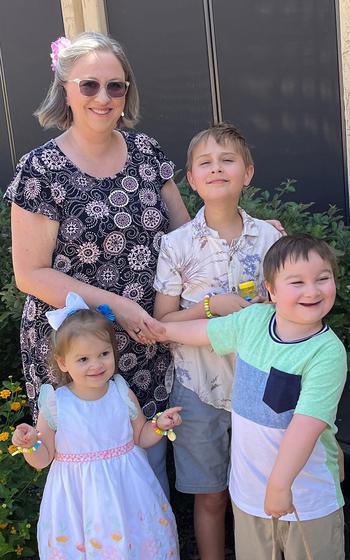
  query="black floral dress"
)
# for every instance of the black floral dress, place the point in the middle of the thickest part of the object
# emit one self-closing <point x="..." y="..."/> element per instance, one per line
<point x="109" y="237"/>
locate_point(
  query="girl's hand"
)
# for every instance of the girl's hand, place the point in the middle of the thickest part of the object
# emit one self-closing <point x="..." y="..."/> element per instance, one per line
<point x="224" y="304"/>
<point x="139" y="325"/>
<point x="277" y="225"/>
<point x="278" y="501"/>
<point x="169" y="418"/>
<point x="24" y="436"/>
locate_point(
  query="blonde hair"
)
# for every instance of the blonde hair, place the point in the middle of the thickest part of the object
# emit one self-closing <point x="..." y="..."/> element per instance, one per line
<point x="80" y="323"/>
<point x="54" y="112"/>
<point x="222" y="133"/>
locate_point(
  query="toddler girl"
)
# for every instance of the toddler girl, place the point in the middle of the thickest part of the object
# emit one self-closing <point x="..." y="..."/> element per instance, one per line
<point x="101" y="498"/>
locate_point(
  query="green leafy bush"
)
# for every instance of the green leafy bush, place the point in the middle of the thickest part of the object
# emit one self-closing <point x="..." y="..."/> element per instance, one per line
<point x="11" y="301"/>
<point x="20" y="484"/>
<point x="298" y="217"/>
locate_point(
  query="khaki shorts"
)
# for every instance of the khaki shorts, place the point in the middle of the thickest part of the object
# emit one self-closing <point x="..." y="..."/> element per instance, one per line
<point x="253" y="537"/>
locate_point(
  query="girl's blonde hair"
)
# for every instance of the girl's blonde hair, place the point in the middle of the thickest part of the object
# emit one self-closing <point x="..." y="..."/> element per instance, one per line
<point x="54" y="111"/>
<point x="80" y="323"/>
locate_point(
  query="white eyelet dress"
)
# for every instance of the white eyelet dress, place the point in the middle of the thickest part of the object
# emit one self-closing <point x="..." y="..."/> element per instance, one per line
<point x="101" y="499"/>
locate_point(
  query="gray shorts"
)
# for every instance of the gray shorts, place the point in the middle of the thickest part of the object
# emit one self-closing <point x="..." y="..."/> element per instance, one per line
<point x="202" y="445"/>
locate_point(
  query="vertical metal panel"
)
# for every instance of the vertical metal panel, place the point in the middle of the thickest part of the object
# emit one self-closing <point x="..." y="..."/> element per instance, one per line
<point x="280" y="84"/>
<point x="26" y="31"/>
<point x="6" y="157"/>
<point x="166" y="45"/>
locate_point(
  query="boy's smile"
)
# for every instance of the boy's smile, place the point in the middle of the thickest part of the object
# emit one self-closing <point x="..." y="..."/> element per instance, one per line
<point x="219" y="166"/>
<point x="304" y="292"/>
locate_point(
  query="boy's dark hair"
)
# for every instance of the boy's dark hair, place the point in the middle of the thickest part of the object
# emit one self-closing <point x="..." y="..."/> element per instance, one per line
<point x="222" y="133"/>
<point x="294" y="247"/>
<point x="80" y="323"/>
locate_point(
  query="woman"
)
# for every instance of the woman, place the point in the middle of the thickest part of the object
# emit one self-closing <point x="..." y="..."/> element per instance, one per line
<point x="88" y="211"/>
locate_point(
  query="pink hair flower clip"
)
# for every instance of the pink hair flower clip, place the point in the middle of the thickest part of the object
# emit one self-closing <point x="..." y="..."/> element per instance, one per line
<point x="56" y="48"/>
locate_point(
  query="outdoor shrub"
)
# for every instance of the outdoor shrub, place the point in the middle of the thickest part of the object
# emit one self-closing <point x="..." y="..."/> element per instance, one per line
<point x="298" y="217"/>
<point x="20" y="484"/>
<point x="11" y="301"/>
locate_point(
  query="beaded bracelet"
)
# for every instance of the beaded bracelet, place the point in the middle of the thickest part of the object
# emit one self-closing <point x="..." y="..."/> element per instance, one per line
<point x="207" y="311"/>
<point x="169" y="433"/>
<point x="29" y="449"/>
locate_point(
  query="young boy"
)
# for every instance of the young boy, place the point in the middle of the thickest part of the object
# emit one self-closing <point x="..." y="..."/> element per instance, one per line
<point x="290" y="373"/>
<point x="209" y="257"/>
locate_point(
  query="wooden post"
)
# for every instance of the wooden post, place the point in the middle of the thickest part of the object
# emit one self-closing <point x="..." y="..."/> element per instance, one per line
<point x="73" y="18"/>
<point x="94" y="15"/>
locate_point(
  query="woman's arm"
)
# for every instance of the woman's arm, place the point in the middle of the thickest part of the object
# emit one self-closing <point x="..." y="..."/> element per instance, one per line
<point x="34" y="238"/>
<point x="178" y="214"/>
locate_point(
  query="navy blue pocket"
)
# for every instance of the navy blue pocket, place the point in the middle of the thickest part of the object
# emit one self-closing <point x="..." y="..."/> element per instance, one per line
<point x="282" y="390"/>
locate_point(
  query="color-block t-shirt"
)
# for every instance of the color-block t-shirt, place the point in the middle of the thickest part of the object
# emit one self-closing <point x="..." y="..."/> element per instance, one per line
<point x="274" y="380"/>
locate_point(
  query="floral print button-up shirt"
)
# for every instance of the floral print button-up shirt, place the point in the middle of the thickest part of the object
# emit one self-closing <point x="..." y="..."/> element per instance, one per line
<point x="194" y="261"/>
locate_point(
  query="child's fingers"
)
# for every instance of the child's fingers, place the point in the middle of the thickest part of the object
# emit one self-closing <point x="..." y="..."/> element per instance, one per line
<point x="177" y="420"/>
<point x="23" y="434"/>
<point x="173" y="410"/>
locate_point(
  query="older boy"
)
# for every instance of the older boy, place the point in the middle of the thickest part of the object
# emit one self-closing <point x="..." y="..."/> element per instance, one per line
<point x="290" y="373"/>
<point x="209" y="256"/>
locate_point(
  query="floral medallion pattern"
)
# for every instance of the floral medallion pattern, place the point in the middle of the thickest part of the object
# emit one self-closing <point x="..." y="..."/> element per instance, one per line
<point x="109" y="236"/>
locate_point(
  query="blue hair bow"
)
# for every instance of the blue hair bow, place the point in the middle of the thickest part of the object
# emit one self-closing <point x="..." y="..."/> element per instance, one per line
<point x="106" y="311"/>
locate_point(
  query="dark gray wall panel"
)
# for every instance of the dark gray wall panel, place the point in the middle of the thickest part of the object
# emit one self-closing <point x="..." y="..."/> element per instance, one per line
<point x="279" y="83"/>
<point x="6" y="168"/>
<point x="26" y="30"/>
<point x="166" y="45"/>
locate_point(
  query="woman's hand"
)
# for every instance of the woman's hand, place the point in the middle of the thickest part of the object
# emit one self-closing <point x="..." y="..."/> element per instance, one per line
<point x="277" y="225"/>
<point x="139" y="325"/>
<point x="278" y="501"/>
<point x="24" y="436"/>
<point x="169" y="418"/>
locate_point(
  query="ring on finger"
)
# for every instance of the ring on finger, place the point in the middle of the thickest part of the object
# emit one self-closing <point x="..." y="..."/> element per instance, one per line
<point x="138" y="331"/>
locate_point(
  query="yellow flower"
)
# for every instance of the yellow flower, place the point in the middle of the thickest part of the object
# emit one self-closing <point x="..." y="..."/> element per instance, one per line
<point x="95" y="544"/>
<point x="15" y="406"/>
<point x="3" y="525"/>
<point x="163" y="521"/>
<point x="13" y="530"/>
<point x="62" y="538"/>
<point x="116" y="537"/>
<point x="5" y="393"/>
<point x="19" y="550"/>
<point x="4" y="436"/>
<point x="12" y="448"/>
<point x="164" y="507"/>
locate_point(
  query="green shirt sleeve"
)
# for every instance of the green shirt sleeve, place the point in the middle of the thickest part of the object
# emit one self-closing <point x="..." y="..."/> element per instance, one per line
<point x="223" y="333"/>
<point x="323" y="383"/>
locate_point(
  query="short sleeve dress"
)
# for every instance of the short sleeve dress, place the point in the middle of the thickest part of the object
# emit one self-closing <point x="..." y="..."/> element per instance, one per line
<point x="101" y="497"/>
<point x="109" y="236"/>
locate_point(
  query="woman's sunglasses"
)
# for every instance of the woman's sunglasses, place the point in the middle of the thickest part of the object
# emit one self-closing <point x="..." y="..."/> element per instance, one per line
<point x="113" y="88"/>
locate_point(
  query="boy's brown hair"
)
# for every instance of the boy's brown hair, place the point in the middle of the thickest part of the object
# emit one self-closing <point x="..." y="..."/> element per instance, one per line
<point x="80" y="323"/>
<point x="295" y="247"/>
<point x="223" y="133"/>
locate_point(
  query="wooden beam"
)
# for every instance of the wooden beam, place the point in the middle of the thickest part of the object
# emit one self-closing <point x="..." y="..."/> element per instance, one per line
<point x="73" y="19"/>
<point x="94" y="13"/>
